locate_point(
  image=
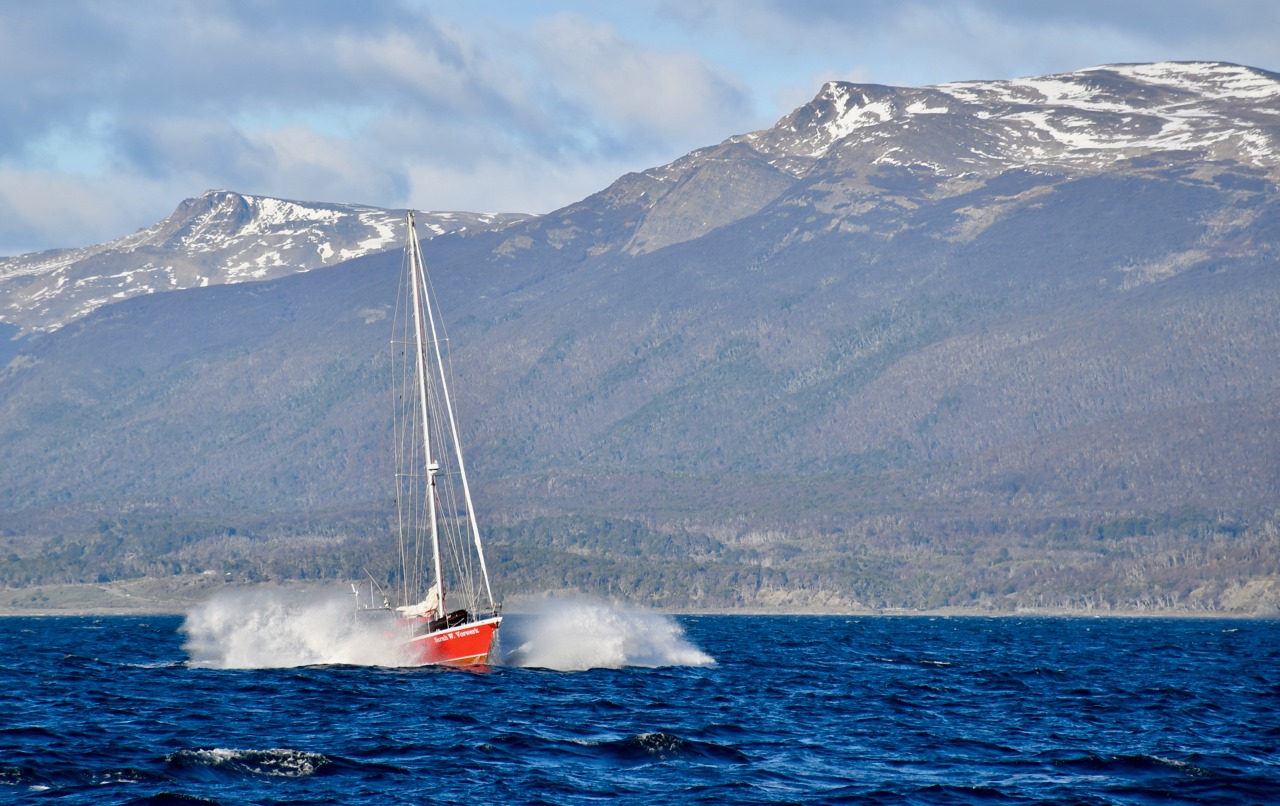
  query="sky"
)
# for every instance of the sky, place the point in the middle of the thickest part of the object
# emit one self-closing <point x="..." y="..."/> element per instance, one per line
<point x="112" y="112"/>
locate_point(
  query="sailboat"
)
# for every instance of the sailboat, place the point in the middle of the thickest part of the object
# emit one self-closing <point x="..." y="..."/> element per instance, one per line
<point x="448" y="613"/>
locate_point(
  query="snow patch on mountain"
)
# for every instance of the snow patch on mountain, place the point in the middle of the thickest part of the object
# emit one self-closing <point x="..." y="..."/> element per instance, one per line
<point x="1221" y="80"/>
<point x="1089" y="117"/>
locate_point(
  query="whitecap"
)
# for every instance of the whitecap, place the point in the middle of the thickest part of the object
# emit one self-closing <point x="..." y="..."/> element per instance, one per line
<point x="277" y="762"/>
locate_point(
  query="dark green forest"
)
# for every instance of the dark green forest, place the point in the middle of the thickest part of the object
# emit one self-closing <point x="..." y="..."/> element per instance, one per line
<point x="887" y="563"/>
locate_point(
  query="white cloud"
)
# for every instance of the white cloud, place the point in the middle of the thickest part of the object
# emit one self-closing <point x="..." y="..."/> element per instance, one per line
<point x="919" y="42"/>
<point x="516" y="185"/>
<point x="39" y="210"/>
<point x="636" y="91"/>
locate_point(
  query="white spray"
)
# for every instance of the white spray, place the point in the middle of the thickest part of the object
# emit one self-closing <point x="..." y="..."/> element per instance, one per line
<point x="575" y="634"/>
<point x="261" y="629"/>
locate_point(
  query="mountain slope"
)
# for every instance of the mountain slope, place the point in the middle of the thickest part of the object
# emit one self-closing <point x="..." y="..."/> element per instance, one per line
<point x="1008" y="343"/>
<point x="859" y="145"/>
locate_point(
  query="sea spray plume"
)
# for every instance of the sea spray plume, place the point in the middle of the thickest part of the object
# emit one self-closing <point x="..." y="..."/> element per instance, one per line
<point x="259" y="629"/>
<point x="577" y="634"/>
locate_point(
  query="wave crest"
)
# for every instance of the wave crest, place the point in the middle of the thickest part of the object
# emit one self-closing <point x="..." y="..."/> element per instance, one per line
<point x="274" y="763"/>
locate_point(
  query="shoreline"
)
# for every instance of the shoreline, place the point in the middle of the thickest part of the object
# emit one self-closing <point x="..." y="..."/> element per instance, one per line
<point x="1063" y="613"/>
<point x="176" y="596"/>
<point x="977" y="612"/>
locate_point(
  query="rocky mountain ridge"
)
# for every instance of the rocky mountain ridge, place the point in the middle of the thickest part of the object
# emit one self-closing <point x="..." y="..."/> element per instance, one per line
<point x="945" y="140"/>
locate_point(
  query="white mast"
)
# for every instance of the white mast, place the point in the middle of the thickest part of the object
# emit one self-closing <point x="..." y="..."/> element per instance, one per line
<point x="457" y="451"/>
<point x="419" y="284"/>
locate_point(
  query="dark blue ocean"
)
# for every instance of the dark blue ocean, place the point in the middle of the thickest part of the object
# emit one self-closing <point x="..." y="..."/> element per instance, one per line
<point x="126" y="710"/>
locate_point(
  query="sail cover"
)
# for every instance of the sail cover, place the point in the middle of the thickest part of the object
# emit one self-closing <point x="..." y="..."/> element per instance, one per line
<point x="427" y="606"/>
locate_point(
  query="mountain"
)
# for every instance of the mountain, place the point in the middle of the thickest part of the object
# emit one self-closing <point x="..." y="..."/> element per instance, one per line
<point x="220" y="237"/>
<point x="1005" y="344"/>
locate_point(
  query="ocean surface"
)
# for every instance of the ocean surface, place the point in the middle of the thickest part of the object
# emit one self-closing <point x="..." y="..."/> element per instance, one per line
<point x="237" y="703"/>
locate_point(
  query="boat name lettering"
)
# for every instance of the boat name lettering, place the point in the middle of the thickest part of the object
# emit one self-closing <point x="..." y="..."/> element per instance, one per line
<point x="452" y="635"/>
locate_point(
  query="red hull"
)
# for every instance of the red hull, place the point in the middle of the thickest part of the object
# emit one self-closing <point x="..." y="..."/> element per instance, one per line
<point x="469" y="644"/>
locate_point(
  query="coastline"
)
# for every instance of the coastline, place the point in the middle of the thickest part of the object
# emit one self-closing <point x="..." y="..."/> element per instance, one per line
<point x="178" y="595"/>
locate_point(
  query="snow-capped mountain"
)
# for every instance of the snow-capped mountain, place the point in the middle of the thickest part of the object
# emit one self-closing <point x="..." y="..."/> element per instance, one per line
<point x="219" y="237"/>
<point x="858" y="144"/>
<point x="852" y="145"/>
